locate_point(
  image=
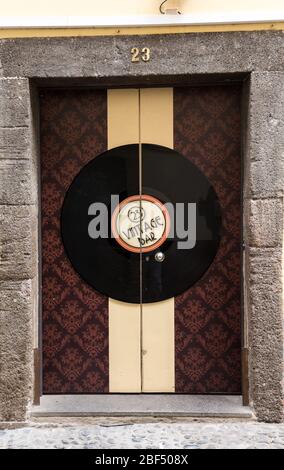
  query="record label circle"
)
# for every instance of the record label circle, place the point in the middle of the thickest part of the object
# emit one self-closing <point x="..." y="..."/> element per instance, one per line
<point x="140" y="224"/>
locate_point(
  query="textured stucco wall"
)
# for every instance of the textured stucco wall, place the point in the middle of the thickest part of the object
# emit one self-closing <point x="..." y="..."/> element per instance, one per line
<point x="185" y="58"/>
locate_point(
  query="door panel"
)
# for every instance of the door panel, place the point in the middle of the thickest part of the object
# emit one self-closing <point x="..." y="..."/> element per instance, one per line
<point x="74" y="316"/>
<point x="208" y="315"/>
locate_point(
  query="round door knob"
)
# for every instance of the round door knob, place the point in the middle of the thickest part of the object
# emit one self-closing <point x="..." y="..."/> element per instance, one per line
<point x="159" y="256"/>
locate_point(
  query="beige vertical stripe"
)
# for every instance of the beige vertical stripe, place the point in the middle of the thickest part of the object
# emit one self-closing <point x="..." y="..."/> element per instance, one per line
<point x="122" y="117"/>
<point x="157" y="126"/>
<point x="158" y="346"/>
<point x="124" y="319"/>
<point x="124" y="347"/>
<point x="158" y="366"/>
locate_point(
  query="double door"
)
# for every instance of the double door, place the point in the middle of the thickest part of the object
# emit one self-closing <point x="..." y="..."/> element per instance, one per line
<point x="187" y="343"/>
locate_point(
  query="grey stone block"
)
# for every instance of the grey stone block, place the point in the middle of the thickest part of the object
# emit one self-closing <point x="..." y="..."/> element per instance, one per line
<point x="266" y="333"/>
<point x="143" y="404"/>
<point x="171" y="55"/>
<point x="14" y="143"/>
<point x="265" y="269"/>
<point x="265" y="136"/>
<point x="17" y="242"/>
<point x="14" y="102"/>
<point x="267" y="178"/>
<point x="15" y="349"/>
<point x="266" y="115"/>
<point x="265" y="222"/>
<point x="17" y="184"/>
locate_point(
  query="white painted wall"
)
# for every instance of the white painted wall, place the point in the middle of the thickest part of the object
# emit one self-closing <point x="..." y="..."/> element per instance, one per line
<point x="131" y="7"/>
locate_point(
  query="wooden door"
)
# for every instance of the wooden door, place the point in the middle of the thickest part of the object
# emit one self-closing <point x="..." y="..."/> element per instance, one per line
<point x="187" y="344"/>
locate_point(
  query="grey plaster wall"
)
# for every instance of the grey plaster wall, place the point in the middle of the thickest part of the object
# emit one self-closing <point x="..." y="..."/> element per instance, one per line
<point x="256" y="57"/>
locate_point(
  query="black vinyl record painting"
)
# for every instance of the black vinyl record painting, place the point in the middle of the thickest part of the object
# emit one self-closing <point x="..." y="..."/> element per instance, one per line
<point x="141" y="237"/>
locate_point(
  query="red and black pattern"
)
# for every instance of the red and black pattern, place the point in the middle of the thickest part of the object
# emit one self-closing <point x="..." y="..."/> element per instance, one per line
<point x="75" y="317"/>
<point x="207" y="131"/>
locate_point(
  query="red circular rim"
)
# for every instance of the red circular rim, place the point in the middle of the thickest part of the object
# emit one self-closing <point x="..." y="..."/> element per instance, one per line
<point x="144" y="197"/>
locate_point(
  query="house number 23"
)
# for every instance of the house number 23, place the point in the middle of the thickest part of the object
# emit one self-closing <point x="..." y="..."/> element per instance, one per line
<point x="143" y="54"/>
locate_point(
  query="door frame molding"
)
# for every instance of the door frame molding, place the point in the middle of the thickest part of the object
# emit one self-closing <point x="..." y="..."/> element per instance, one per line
<point x="244" y="312"/>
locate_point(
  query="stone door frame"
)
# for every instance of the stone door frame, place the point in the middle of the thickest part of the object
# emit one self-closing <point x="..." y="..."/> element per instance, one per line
<point x="254" y="58"/>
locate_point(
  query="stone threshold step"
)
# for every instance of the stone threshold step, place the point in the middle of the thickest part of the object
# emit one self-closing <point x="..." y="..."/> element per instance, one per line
<point x="229" y="406"/>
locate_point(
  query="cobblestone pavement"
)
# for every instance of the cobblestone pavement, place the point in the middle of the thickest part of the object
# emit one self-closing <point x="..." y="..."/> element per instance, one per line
<point x="155" y="434"/>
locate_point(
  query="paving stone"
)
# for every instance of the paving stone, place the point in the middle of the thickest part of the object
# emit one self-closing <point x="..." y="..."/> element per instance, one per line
<point x="160" y="435"/>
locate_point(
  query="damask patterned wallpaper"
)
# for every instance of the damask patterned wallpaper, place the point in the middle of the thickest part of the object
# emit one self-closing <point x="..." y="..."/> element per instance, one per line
<point x="75" y="317"/>
<point x="207" y="130"/>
